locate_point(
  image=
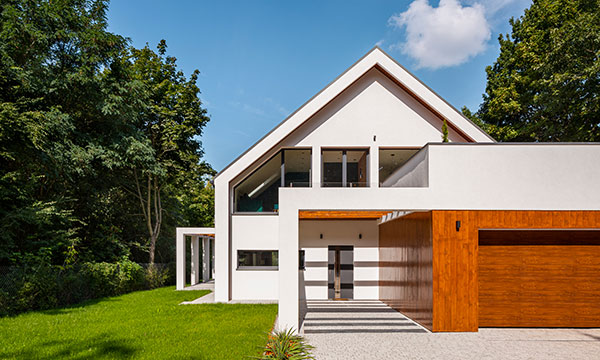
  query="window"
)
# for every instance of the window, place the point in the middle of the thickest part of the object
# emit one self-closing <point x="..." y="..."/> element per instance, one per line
<point x="301" y="260"/>
<point x="259" y="192"/>
<point x="345" y="168"/>
<point x="390" y="160"/>
<point x="296" y="165"/>
<point x="258" y="259"/>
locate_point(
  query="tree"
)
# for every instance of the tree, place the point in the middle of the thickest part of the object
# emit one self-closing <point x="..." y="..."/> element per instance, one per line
<point x="81" y="115"/>
<point x="171" y="120"/>
<point x="445" y="131"/>
<point x="62" y="122"/>
<point x="545" y="84"/>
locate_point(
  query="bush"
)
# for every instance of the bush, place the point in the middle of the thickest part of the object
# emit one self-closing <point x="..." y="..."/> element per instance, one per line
<point x="156" y="276"/>
<point x="38" y="291"/>
<point x="108" y="279"/>
<point x="285" y="344"/>
<point x="28" y="288"/>
<point x="45" y="286"/>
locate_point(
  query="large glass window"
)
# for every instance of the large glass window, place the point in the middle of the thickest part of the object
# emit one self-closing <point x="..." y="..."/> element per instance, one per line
<point x="296" y="163"/>
<point x="259" y="191"/>
<point x="258" y="259"/>
<point x="390" y="160"/>
<point x="345" y="168"/>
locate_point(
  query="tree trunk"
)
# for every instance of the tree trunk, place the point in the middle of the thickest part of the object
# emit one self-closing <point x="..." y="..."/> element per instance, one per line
<point x="152" y="210"/>
<point x="152" y="249"/>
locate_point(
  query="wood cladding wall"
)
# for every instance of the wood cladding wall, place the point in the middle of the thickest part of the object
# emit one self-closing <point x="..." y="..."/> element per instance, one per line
<point x="405" y="266"/>
<point x="454" y="271"/>
<point x="457" y="283"/>
<point x="438" y="274"/>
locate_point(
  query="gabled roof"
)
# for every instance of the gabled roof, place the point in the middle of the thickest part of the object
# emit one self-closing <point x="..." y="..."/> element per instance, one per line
<point x="375" y="58"/>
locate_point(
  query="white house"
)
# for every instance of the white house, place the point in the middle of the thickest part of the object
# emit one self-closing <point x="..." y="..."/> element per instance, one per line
<point x="355" y="196"/>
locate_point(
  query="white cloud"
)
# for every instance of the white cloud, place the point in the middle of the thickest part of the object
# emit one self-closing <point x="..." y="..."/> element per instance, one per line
<point x="447" y="35"/>
<point x="254" y="110"/>
<point x="282" y="111"/>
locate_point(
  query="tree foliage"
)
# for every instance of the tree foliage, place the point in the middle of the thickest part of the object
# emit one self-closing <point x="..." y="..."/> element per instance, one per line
<point x="170" y="120"/>
<point x="81" y="113"/>
<point x="545" y="84"/>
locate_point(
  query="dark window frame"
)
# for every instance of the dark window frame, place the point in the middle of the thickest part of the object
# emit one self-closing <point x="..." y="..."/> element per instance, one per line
<point x="344" y="151"/>
<point x="234" y="201"/>
<point x="257" y="267"/>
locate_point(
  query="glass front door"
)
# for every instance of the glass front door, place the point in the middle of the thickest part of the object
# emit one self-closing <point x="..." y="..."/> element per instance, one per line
<point x="341" y="272"/>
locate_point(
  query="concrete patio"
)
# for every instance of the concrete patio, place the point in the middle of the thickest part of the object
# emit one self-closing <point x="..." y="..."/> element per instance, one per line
<point x="210" y="298"/>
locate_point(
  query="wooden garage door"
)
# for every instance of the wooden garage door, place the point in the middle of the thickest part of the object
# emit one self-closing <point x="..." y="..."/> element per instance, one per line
<point x="539" y="278"/>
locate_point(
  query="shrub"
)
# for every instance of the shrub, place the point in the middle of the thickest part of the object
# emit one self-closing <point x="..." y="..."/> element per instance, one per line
<point x="156" y="276"/>
<point x="73" y="287"/>
<point x="108" y="279"/>
<point x="285" y="344"/>
<point x="45" y="286"/>
<point x="38" y="291"/>
<point x="28" y="288"/>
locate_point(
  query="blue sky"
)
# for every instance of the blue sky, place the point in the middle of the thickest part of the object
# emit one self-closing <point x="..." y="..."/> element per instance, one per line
<point x="261" y="60"/>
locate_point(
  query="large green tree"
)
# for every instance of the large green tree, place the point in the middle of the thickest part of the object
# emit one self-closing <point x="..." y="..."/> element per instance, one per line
<point x="81" y="114"/>
<point x="61" y="121"/>
<point x="171" y="120"/>
<point x="545" y="84"/>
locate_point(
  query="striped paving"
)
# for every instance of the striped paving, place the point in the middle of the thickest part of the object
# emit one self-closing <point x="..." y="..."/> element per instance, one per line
<point x="355" y="316"/>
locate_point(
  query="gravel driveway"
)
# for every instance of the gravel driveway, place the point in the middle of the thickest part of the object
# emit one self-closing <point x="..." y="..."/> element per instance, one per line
<point x="369" y="330"/>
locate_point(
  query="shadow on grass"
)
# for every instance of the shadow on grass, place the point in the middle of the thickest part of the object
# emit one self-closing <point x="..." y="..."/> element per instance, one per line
<point x="63" y="309"/>
<point x="69" y="308"/>
<point x="101" y="347"/>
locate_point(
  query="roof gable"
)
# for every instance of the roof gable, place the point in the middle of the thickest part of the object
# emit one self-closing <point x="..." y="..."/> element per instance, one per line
<point x="376" y="58"/>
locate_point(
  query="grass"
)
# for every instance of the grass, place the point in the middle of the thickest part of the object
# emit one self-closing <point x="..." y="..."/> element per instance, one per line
<point x="140" y="325"/>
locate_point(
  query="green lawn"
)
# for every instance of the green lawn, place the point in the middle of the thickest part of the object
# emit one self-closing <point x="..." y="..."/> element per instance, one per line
<point x="140" y="325"/>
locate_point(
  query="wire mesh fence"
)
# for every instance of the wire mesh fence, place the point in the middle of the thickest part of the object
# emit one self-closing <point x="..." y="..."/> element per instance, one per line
<point x="7" y="282"/>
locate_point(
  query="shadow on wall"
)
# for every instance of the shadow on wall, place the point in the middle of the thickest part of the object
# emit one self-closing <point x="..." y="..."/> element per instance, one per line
<point x="303" y="308"/>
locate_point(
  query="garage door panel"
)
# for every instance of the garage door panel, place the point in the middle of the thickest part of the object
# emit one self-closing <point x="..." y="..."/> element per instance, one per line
<point x="539" y="285"/>
<point x="530" y="287"/>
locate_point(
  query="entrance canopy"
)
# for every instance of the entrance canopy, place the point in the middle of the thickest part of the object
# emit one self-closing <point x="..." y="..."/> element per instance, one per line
<point x="342" y="214"/>
<point x="207" y="235"/>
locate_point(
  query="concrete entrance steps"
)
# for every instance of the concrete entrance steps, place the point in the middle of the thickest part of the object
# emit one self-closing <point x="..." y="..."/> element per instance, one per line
<point x="355" y="316"/>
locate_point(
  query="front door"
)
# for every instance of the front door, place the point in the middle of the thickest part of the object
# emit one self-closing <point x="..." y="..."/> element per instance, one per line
<point x="340" y="283"/>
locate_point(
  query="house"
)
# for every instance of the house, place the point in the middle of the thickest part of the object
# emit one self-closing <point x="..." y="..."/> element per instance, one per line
<point x="354" y="196"/>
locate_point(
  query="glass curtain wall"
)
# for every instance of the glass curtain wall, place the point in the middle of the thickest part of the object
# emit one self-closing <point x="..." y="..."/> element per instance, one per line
<point x="297" y="167"/>
<point x="345" y="168"/>
<point x="259" y="191"/>
<point x="390" y="160"/>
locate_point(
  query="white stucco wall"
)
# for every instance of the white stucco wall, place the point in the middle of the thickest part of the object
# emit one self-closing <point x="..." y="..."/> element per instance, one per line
<point x="373" y="106"/>
<point x="254" y="232"/>
<point x="342" y="232"/>
<point x="372" y="113"/>
<point x="515" y="176"/>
